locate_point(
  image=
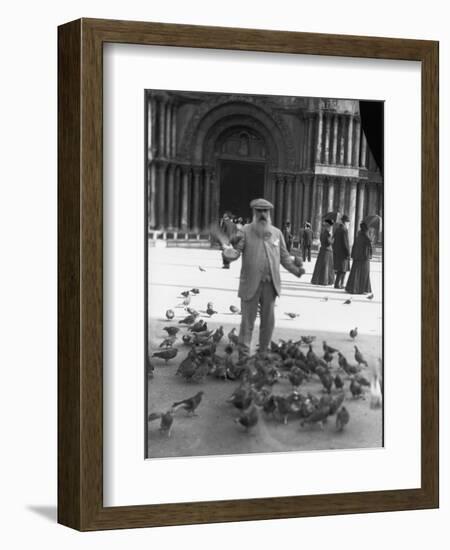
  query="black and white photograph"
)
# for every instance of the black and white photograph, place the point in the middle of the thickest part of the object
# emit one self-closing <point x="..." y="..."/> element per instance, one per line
<point x="264" y="273"/>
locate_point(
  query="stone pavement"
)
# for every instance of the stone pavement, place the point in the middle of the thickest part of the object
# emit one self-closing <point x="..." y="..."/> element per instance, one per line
<point x="322" y="313"/>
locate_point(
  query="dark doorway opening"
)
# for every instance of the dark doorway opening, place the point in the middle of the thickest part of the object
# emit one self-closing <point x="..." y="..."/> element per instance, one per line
<point x="240" y="183"/>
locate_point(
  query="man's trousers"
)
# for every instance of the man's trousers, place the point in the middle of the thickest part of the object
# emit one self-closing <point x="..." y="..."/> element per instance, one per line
<point x="265" y="297"/>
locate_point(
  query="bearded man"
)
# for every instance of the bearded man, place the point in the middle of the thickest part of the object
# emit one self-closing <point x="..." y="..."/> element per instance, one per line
<point x="263" y="249"/>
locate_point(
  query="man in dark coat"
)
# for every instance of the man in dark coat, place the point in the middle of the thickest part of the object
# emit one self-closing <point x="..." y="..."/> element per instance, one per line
<point x="287" y="234"/>
<point x="341" y="251"/>
<point x="307" y="239"/>
<point x="227" y="227"/>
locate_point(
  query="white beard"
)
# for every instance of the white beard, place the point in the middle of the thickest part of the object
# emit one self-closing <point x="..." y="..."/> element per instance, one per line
<point x="261" y="227"/>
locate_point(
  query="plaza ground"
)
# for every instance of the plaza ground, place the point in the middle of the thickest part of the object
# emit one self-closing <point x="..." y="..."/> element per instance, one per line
<point x="322" y="313"/>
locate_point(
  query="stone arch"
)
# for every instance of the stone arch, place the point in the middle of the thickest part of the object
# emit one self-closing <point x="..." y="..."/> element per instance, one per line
<point x="214" y="120"/>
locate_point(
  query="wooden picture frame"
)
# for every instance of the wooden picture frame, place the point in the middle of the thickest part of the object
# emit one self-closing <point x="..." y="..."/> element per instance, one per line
<point x="80" y="272"/>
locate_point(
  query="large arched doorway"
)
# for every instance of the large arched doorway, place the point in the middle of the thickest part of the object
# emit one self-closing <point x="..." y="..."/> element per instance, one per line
<point x="241" y="166"/>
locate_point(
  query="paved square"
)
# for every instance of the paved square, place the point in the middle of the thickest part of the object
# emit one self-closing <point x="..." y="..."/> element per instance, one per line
<point x="322" y="313"/>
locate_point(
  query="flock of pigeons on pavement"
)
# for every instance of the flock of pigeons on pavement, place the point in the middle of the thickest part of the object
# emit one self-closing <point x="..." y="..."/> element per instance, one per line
<point x="256" y="398"/>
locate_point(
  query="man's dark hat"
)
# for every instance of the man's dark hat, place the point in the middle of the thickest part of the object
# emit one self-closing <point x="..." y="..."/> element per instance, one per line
<point x="345" y="218"/>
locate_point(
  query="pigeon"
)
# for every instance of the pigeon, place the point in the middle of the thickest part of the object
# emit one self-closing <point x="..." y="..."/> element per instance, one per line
<point x="170" y="314"/>
<point x="296" y="376"/>
<point x="339" y="384"/>
<point x="292" y="315"/>
<point x="189" y="320"/>
<point x="190" y="404"/>
<point x="319" y="416"/>
<point x="202" y="269"/>
<point x="376" y="396"/>
<point x="325" y="299"/>
<point x="353" y="333"/>
<point x="233" y="337"/>
<point x="328" y="357"/>
<point x="217" y="335"/>
<point x="187" y="367"/>
<point x="342" y="418"/>
<point x="235" y="310"/>
<point x="229" y="349"/>
<point x="369" y="297"/>
<point x="187" y="339"/>
<point x="356" y="389"/>
<point x="166" y="354"/>
<point x="199" y="326"/>
<point x="210" y="311"/>
<point x="249" y="418"/>
<point x="348" y="301"/>
<point x="327" y="381"/>
<point x="307" y="339"/>
<point x="241" y="398"/>
<point x="192" y="311"/>
<point x="165" y="425"/>
<point x="345" y="366"/>
<point x="362" y="380"/>
<point x="186" y="301"/>
<point x="185" y="293"/>
<point x="195" y="291"/>
<point x="168" y="342"/>
<point x="328" y="349"/>
<point x="359" y="358"/>
<point x="336" y="402"/>
<point x="172" y="331"/>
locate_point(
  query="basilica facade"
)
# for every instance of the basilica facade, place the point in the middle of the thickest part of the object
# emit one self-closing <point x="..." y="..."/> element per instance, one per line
<point x="209" y="153"/>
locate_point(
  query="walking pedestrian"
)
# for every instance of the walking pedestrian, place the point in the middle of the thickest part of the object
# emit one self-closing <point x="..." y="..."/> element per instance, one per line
<point x="287" y="234"/>
<point x="307" y="239"/>
<point x="323" y="270"/>
<point x="341" y="251"/>
<point x="359" y="278"/>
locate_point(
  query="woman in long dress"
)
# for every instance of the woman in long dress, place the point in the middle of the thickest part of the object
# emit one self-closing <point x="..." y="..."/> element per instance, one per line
<point x="323" y="270"/>
<point x="359" y="278"/>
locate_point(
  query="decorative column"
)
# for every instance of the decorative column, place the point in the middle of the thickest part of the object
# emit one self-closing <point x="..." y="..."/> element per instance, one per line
<point x="363" y="152"/>
<point x="280" y="197"/>
<point x="161" y="192"/>
<point x="287" y="199"/>
<point x="335" y="139"/>
<point x="330" y="197"/>
<point x="195" y="222"/>
<point x="352" y="210"/>
<point x="360" y="208"/>
<point x="342" y="187"/>
<point x="170" y="196"/>
<point x="151" y="195"/>
<point x="173" y="148"/>
<point x="162" y="128"/>
<point x="319" y="137"/>
<point x="305" y="150"/>
<point x="306" y="199"/>
<point x="342" y="139"/>
<point x="326" y="159"/>
<point x="177" y="198"/>
<point x="168" y="128"/>
<point x="349" y="141"/>
<point x="356" y="142"/>
<point x="317" y="209"/>
<point x="185" y="198"/>
<point x="296" y="204"/>
<point x="207" y="200"/>
<point x="310" y="148"/>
